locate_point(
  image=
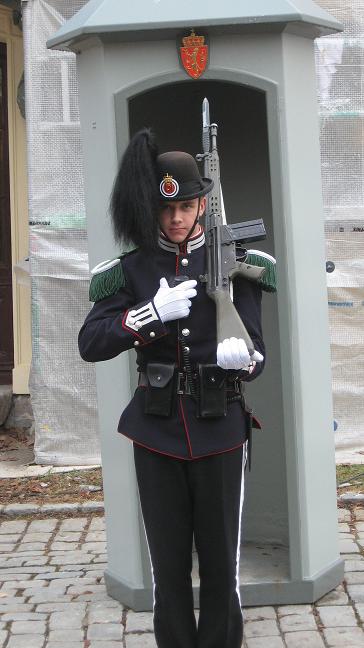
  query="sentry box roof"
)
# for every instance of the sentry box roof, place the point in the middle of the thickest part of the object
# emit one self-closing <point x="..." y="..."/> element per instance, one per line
<point x="119" y="20"/>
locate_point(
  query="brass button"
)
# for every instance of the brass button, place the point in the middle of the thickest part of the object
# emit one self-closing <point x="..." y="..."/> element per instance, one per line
<point x="184" y="262"/>
<point x="136" y="343"/>
<point x="152" y="334"/>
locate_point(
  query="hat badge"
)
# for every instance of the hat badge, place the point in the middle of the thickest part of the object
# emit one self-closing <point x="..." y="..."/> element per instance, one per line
<point x="169" y="187"/>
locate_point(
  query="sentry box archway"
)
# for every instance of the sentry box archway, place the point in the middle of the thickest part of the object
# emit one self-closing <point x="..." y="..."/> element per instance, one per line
<point x="260" y="81"/>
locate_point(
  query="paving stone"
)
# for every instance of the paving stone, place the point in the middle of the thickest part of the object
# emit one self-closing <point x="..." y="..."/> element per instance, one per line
<point x="9" y="537"/>
<point x="344" y="527"/>
<point x="104" y="614"/>
<point x="66" y="507"/>
<point x="338" y="596"/>
<point x="346" y="637"/>
<point x="359" y="526"/>
<point x="75" y="606"/>
<point x="355" y="578"/>
<point x="298" y="622"/>
<point x="70" y="559"/>
<point x="6" y="548"/>
<point x="101" y="559"/>
<point x="354" y="565"/>
<point x="26" y="570"/>
<point x="50" y="596"/>
<point x="64" y="546"/>
<point x="68" y="536"/>
<point x="259" y="613"/>
<point x="264" y="642"/>
<point x="95" y="547"/>
<point x="105" y="631"/>
<point x="337" y="615"/>
<point x="28" y="627"/>
<point x="92" y="598"/>
<point x="46" y="525"/>
<point x="39" y="536"/>
<point x="31" y="546"/>
<point x="95" y="536"/>
<point x="66" y="634"/>
<point x="359" y="514"/>
<point x="12" y="562"/>
<point x="303" y="640"/>
<point x="139" y="621"/>
<point x="35" y="584"/>
<point x="13" y="526"/>
<point x="356" y="592"/>
<point x="107" y="604"/>
<point x="24" y="616"/>
<point x="37" y="561"/>
<point x="46" y="593"/>
<point x="260" y="628"/>
<point x="13" y="577"/>
<point x="76" y="590"/>
<point x="97" y="524"/>
<point x="344" y="515"/>
<point x="15" y="607"/>
<point x="58" y="575"/>
<point x="26" y="641"/>
<point x="74" y="524"/>
<point x="283" y="610"/>
<point x="67" y="619"/>
<point x="135" y="641"/>
<point x="348" y="546"/>
<point x="87" y="582"/>
<point x="65" y="644"/>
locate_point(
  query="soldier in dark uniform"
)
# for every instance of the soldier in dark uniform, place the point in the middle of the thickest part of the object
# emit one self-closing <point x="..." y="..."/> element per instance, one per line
<point x="189" y="465"/>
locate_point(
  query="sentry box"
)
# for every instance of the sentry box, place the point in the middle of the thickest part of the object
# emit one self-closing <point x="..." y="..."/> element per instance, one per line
<point x="255" y="63"/>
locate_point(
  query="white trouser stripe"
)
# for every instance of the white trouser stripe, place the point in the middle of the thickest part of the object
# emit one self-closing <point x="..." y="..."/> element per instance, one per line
<point x="244" y="458"/>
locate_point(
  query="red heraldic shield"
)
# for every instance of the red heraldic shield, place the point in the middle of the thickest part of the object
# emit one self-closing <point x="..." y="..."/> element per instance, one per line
<point x="194" y="55"/>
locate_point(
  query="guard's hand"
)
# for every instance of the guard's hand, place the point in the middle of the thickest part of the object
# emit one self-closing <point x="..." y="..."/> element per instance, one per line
<point x="232" y="353"/>
<point x="174" y="303"/>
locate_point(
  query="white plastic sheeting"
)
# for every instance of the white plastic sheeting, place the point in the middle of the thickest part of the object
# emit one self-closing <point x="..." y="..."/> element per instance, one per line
<point x="62" y="386"/>
<point x="340" y="71"/>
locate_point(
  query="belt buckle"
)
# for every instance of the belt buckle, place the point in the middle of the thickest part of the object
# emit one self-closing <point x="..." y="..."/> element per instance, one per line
<point x="180" y="383"/>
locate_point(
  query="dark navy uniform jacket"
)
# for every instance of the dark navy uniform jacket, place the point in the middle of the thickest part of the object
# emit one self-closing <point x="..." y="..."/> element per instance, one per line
<point x="129" y="320"/>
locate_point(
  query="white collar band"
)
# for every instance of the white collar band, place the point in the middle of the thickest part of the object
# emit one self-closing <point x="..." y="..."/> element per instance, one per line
<point x="192" y="244"/>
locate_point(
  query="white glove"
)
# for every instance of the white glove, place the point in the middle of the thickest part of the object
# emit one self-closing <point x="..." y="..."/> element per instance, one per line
<point x="232" y="353"/>
<point x="174" y="303"/>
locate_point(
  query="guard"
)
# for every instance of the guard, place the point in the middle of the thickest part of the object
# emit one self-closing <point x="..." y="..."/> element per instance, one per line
<point x="188" y="419"/>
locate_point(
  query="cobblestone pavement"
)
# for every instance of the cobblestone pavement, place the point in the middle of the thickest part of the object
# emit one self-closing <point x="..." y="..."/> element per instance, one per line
<point x="52" y="593"/>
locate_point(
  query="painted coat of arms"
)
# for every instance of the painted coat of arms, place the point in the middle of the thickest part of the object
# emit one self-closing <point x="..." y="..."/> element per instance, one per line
<point x="194" y="55"/>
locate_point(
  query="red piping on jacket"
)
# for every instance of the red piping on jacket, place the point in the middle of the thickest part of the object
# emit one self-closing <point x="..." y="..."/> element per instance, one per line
<point x="185" y="426"/>
<point x="167" y="454"/>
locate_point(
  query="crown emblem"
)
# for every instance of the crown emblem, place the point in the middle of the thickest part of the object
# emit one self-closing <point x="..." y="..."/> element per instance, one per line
<point x="169" y="187"/>
<point x="192" y="40"/>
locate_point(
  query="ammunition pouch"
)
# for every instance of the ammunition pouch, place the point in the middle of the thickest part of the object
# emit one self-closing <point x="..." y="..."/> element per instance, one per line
<point x="160" y="389"/>
<point x="212" y="400"/>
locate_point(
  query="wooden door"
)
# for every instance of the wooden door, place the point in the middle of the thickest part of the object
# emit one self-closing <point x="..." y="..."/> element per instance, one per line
<point x="6" y="307"/>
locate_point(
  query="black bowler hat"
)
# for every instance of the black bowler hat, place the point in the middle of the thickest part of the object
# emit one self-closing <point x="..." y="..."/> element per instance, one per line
<point x="179" y="177"/>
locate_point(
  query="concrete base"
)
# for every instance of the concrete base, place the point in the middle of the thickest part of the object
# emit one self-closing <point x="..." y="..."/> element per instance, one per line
<point x="264" y="580"/>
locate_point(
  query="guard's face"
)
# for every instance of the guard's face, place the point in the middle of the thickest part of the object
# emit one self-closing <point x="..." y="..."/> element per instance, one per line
<point x="177" y="217"/>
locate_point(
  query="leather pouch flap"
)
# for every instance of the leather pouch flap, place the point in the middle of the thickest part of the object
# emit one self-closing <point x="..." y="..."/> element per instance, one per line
<point x="213" y="377"/>
<point x="159" y="375"/>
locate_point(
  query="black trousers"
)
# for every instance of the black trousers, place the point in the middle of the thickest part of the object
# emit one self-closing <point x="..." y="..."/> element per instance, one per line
<point x="181" y="499"/>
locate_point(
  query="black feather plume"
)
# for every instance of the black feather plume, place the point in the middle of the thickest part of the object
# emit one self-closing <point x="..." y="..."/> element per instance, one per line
<point x="134" y="201"/>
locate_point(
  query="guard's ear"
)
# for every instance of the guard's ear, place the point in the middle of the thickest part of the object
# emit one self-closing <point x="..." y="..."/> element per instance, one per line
<point x="202" y="205"/>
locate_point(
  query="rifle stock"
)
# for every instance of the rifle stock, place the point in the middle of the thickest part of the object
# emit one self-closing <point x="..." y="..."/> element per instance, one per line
<point x="228" y="321"/>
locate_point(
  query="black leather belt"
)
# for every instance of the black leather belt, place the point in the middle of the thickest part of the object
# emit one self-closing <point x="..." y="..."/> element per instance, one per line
<point x="183" y="385"/>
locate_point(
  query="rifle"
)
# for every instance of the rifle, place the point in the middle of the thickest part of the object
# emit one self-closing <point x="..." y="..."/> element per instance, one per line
<point x="224" y="243"/>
